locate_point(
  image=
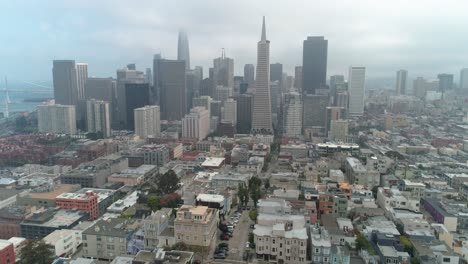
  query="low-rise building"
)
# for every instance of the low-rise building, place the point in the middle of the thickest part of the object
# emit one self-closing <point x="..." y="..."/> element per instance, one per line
<point x="45" y="195"/>
<point x="389" y="198"/>
<point x="7" y="252"/>
<point x="87" y="202"/>
<point x="64" y="241"/>
<point x="229" y="180"/>
<point x="359" y="174"/>
<point x="134" y="176"/>
<point x="196" y="225"/>
<point x="159" y="232"/>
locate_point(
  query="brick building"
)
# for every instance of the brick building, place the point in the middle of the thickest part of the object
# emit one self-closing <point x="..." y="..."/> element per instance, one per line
<point x="87" y="202"/>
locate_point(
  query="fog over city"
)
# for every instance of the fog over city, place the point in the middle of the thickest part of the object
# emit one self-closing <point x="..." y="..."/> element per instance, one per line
<point x="424" y="37"/>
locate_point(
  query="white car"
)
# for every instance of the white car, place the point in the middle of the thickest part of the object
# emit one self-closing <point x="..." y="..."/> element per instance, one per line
<point x="247" y="244"/>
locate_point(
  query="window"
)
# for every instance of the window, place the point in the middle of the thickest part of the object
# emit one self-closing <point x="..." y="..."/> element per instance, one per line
<point x="98" y="238"/>
<point x="110" y="239"/>
<point x="325" y="259"/>
<point x="110" y="247"/>
<point x="84" y="237"/>
<point x="274" y="241"/>
<point x="317" y="250"/>
<point x="446" y="259"/>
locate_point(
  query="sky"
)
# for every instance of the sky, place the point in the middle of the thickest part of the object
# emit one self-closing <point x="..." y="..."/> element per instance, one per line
<point x="424" y="37"/>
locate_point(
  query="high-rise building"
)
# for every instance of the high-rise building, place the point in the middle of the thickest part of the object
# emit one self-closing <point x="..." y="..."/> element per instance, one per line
<point x="420" y="87"/>
<point x="137" y="95"/>
<point x="147" y="121"/>
<point x="244" y="113"/>
<point x="292" y="120"/>
<point x="229" y="112"/>
<point x="314" y="64"/>
<point x="204" y="101"/>
<point x="249" y="75"/>
<point x="334" y="113"/>
<point x="338" y="130"/>
<point x="337" y="83"/>
<point x="287" y="84"/>
<point x="56" y="119"/>
<point x="275" y="93"/>
<point x="238" y="80"/>
<point x="356" y="81"/>
<point x="65" y="83"/>
<point x="98" y="117"/>
<point x="262" y="120"/>
<point x="401" y="80"/>
<point x="183" y="52"/>
<point x="131" y="66"/>
<point x="149" y="76"/>
<point x="445" y="82"/>
<point x="298" y="78"/>
<point x="222" y="93"/>
<point x="81" y="77"/>
<point x="104" y="89"/>
<point x="223" y="71"/>
<point x="314" y="111"/>
<point x="341" y="99"/>
<point x="276" y="72"/>
<point x="215" y="108"/>
<point x="207" y="87"/>
<point x="124" y="77"/>
<point x="155" y="88"/>
<point x="196" y="124"/>
<point x="464" y="79"/>
<point x="192" y="87"/>
<point x="172" y="84"/>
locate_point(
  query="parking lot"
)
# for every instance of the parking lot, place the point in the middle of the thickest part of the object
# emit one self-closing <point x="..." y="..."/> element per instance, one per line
<point x="237" y="243"/>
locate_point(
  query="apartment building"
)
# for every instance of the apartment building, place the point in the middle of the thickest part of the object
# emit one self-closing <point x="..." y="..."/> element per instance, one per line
<point x="196" y="225"/>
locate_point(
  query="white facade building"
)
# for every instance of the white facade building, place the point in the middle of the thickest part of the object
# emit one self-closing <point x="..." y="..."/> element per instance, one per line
<point x="292" y="121"/>
<point x="56" y="119"/>
<point x="356" y="80"/>
<point x="338" y="130"/>
<point x="98" y="117"/>
<point x="402" y="76"/>
<point x="196" y="124"/>
<point x="147" y="121"/>
<point x="229" y="113"/>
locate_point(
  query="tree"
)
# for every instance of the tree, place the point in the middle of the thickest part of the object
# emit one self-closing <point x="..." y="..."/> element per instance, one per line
<point x="154" y="202"/>
<point x="171" y="200"/>
<point x="168" y="182"/>
<point x="267" y="184"/>
<point x="254" y="189"/>
<point x="301" y="197"/>
<point x="253" y="215"/>
<point x="36" y="252"/>
<point x="241" y="193"/>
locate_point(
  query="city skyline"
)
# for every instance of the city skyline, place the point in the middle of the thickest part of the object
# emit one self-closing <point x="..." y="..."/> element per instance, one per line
<point x="89" y="32"/>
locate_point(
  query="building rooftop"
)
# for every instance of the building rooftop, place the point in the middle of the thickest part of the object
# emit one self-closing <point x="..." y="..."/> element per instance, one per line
<point x="120" y="205"/>
<point x="141" y="170"/>
<point x="264" y="230"/>
<point x="53" y="237"/>
<point x="56" y="218"/>
<point x="213" y="162"/>
<point x="58" y="190"/>
<point x="211" y="198"/>
<point x="4" y="244"/>
<point x="116" y="227"/>
<point x="101" y="193"/>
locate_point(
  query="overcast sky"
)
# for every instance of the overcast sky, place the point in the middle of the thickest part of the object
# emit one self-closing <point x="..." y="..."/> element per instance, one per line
<point x="425" y="37"/>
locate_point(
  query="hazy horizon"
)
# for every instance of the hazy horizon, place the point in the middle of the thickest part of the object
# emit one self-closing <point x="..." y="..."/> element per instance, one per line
<point x="382" y="36"/>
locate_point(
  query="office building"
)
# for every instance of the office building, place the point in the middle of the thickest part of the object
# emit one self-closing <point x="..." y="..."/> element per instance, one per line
<point x="223" y="71"/>
<point x="464" y="79"/>
<point x="56" y="118"/>
<point x="103" y="89"/>
<point x="65" y="82"/>
<point x="229" y="112"/>
<point x="155" y="87"/>
<point x="276" y="73"/>
<point x="87" y="202"/>
<point x="98" y="117"/>
<point x="215" y="108"/>
<point x="183" y="52"/>
<point x="356" y="81"/>
<point x="192" y="87"/>
<point x="125" y="76"/>
<point x="445" y="82"/>
<point x="292" y="111"/>
<point x="275" y="96"/>
<point x="420" y="86"/>
<point x="81" y="78"/>
<point x="315" y="110"/>
<point x="207" y="87"/>
<point x="338" y="130"/>
<point x="401" y="81"/>
<point x="204" y="101"/>
<point x="262" y="120"/>
<point x="196" y="124"/>
<point x="249" y="75"/>
<point x="341" y="99"/>
<point x="222" y="93"/>
<point x="172" y="84"/>
<point x="137" y="95"/>
<point x="298" y="78"/>
<point x="196" y="225"/>
<point x="333" y="113"/>
<point x="147" y="121"/>
<point x="244" y="113"/>
<point x="314" y="64"/>
<point x="337" y="83"/>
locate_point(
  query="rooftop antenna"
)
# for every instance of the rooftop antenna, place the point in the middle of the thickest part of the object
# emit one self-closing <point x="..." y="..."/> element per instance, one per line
<point x="6" y="112"/>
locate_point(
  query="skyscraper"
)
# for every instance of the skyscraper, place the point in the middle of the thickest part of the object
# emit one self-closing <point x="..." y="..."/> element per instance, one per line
<point x="337" y="83"/>
<point x="183" y="52"/>
<point x="356" y="81"/>
<point x="124" y="77"/>
<point x="464" y="79"/>
<point x="298" y="78"/>
<point x="262" y="121"/>
<point x="401" y="81"/>
<point x="56" y="119"/>
<point x="292" y="121"/>
<point x="334" y="113"/>
<point x="276" y="72"/>
<point x="65" y="83"/>
<point x="98" y="117"/>
<point x="204" y="101"/>
<point x="147" y="121"/>
<point x="314" y="111"/>
<point x="420" y="87"/>
<point x="249" y="74"/>
<point x="314" y="64"/>
<point x="229" y="112"/>
<point x="445" y="82"/>
<point x="137" y="95"/>
<point x="155" y="88"/>
<point x="244" y="113"/>
<point x="172" y="84"/>
<point x="223" y="71"/>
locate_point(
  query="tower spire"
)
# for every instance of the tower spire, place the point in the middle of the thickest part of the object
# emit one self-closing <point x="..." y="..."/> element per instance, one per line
<point x="263" y="30"/>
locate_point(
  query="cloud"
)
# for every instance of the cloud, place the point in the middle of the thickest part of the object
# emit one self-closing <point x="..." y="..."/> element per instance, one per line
<point x="424" y="37"/>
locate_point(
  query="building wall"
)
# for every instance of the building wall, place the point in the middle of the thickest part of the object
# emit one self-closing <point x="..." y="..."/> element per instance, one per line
<point x="7" y="254"/>
<point x="290" y="250"/>
<point x="89" y="205"/>
<point x="103" y="247"/>
<point x="356" y="80"/>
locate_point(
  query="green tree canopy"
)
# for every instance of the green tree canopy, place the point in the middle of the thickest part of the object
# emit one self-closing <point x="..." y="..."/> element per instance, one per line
<point x="168" y="182"/>
<point x="36" y="252"/>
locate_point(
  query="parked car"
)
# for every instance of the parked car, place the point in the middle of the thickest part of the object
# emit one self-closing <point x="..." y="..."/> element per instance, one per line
<point x="224" y="237"/>
<point x="247" y="244"/>
<point x="230" y="228"/>
<point x="223" y="245"/>
<point x="252" y="226"/>
<point x="229" y="233"/>
<point x="220" y="256"/>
